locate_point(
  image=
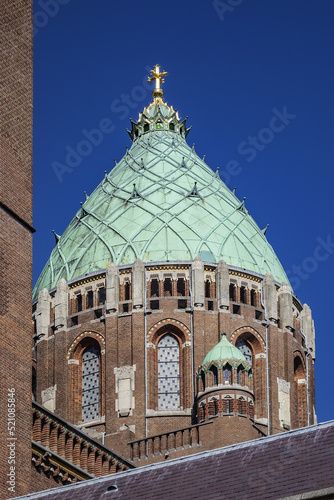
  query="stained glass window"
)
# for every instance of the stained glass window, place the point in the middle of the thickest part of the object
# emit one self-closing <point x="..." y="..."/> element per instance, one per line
<point x="227" y="375"/>
<point x="168" y="373"/>
<point x="246" y="350"/>
<point x="90" y="383"/>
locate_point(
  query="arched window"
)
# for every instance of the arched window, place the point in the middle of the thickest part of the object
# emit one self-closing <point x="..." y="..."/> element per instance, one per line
<point x="146" y="127"/>
<point x="240" y="406"/>
<point x="168" y="287"/>
<point x="253" y="298"/>
<point x="207" y="289"/>
<point x="232" y="292"/>
<point x="212" y="408"/>
<point x="168" y="373"/>
<point x="154" y="288"/>
<point x="227" y="375"/>
<point x="90" y="299"/>
<point x="101" y="296"/>
<point x="171" y="126"/>
<point x="90" y="401"/>
<point x="300" y="391"/>
<point x="127" y="291"/>
<point x="79" y="302"/>
<point x="214" y="371"/>
<point x="181" y="287"/>
<point x="246" y="350"/>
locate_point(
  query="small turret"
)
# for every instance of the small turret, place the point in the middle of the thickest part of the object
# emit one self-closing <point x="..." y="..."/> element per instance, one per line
<point x="225" y="382"/>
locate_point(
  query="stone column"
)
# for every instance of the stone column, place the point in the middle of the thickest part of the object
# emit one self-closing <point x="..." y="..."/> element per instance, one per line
<point x="286" y="311"/>
<point x="308" y="328"/>
<point x="138" y="296"/>
<point x="43" y="313"/>
<point x="112" y="289"/>
<point x="61" y="305"/>
<point x="269" y="297"/>
<point x="197" y="282"/>
<point x="222" y="286"/>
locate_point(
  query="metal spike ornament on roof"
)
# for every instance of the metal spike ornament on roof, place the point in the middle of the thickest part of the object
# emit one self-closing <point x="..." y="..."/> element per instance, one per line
<point x="57" y="237"/>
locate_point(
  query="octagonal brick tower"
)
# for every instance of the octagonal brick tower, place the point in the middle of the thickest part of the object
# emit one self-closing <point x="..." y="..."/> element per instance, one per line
<point x="159" y="260"/>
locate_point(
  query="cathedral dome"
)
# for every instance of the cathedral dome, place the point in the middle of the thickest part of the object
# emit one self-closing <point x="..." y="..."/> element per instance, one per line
<point x="160" y="203"/>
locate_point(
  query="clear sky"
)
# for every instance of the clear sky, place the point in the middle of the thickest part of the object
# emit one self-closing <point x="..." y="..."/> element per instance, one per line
<point x="255" y="78"/>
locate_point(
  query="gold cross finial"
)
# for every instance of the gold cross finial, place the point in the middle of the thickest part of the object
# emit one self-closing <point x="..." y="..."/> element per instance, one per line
<point x="158" y="77"/>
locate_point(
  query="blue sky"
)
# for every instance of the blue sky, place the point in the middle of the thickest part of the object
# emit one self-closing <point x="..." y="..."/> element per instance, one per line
<point x="255" y="78"/>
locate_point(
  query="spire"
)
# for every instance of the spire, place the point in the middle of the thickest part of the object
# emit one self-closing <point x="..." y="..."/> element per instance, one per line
<point x="158" y="77"/>
<point x="158" y="116"/>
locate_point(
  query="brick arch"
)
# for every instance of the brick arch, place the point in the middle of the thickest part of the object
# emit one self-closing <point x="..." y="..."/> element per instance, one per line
<point x="74" y="358"/>
<point x="183" y="336"/>
<point x="300" y="390"/>
<point x="298" y="354"/>
<point x="258" y="382"/>
<point x="168" y="325"/>
<point x="73" y="351"/>
<point x="252" y="336"/>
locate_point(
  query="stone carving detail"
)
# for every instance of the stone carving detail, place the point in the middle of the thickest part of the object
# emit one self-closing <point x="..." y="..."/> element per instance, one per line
<point x="284" y="403"/>
<point x="49" y="398"/>
<point x="125" y="385"/>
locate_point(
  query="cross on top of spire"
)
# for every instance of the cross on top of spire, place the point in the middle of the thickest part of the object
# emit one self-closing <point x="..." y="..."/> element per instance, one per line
<point x="158" y="77"/>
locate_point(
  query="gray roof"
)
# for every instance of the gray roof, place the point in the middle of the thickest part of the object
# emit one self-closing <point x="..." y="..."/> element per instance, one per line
<point x="274" y="467"/>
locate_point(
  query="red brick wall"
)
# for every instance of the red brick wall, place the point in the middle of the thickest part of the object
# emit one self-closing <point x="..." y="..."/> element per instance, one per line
<point x="125" y="345"/>
<point x="16" y="238"/>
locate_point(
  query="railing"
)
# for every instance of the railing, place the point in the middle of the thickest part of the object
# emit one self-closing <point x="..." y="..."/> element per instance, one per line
<point x="167" y="442"/>
<point x="68" y="442"/>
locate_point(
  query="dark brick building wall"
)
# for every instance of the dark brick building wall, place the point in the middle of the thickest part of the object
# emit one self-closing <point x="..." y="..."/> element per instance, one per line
<point x="121" y="339"/>
<point x="15" y="243"/>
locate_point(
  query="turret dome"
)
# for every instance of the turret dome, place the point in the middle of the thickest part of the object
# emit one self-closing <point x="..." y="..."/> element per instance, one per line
<point x="222" y="352"/>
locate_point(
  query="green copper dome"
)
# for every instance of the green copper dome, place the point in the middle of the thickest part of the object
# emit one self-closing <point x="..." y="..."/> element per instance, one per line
<point x="161" y="202"/>
<point x="223" y="351"/>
